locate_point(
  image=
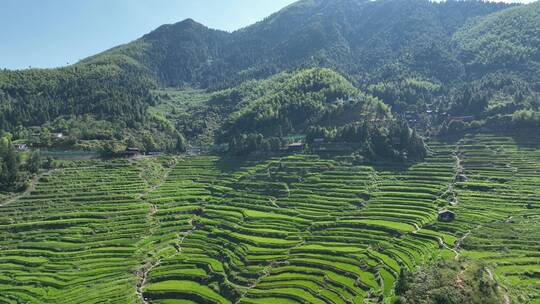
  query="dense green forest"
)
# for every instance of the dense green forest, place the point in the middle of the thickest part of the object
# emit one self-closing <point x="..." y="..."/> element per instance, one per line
<point x="430" y="62"/>
<point x="94" y="105"/>
<point x="368" y="40"/>
<point x="318" y="103"/>
<point x="35" y="97"/>
<point x="439" y="68"/>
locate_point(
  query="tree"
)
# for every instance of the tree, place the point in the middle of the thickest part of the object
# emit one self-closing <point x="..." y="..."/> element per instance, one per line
<point x="34" y="163"/>
<point x="181" y="143"/>
<point x="49" y="163"/>
<point x="148" y="141"/>
<point x="402" y="282"/>
<point x="5" y="143"/>
<point x="112" y="148"/>
<point x="133" y="143"/>
<point x="45" y="138"/>
<point x="10" y="169"/>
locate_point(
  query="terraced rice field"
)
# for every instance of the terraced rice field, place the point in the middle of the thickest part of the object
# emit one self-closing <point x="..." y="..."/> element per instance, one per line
<point x="295" y="229"/>
<point x="499" y="210"/>
<point x="73" y="240"/>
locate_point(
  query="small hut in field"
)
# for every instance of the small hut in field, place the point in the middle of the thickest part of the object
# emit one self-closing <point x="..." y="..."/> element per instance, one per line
<point x="446" y="216"/>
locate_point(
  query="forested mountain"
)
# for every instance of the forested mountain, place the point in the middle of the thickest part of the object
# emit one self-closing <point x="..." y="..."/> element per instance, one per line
<point x="367" y="40"/>
<point x="450" y="59"/>
<point x="508" y="40"/>
<point x="501" y="55"/>
<point x="34" y="97"/>
<point x="181" y="54"/>
<point x="319" y="103"/>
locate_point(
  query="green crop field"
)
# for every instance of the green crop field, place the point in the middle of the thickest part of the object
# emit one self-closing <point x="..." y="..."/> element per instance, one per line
<point x="292" y="229"/>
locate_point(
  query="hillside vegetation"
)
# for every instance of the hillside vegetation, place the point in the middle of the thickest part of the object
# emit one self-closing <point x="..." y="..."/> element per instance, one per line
<point x="367" y="40"/>
<point x="343" y="151"/>
<point x="35" y="97"/>
<point x="507" y="40"/>
<point x="318" y="103"/>
<point x="416" y="56"/>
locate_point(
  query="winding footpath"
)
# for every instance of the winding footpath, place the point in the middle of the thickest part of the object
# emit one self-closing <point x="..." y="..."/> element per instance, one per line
<point x="502" y="289"/>
<point x="155" y="262"/>
<point x="151" y="265"/>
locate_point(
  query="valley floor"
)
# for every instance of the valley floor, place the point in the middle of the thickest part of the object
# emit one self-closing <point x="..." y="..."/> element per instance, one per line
<point x="282" y="230"/>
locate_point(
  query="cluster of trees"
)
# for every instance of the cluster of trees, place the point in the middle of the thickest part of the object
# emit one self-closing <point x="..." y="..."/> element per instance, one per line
<point x="448" y="58"/>
<point x="527" y="118"/>
<point x="391" y="138"/>
<point x="96" y="105"/>
<point x="316" y="103"/>
<point x="109" y="92"/>
<point x="447" y="282"/>
<point x="292" y="104"/>
<point x="496" y="101"/>
<point x="87" y="133"/>
<point x="15" y="168"/>
<point x="494" y="94"/>
<point x="148" y="142"/>
<point x="507" y="40"/>
<point x="406" y="94"/>
<point x="251" y="142"/>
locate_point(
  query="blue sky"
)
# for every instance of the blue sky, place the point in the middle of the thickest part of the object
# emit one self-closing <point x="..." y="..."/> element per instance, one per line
<point x="51" y="33"/>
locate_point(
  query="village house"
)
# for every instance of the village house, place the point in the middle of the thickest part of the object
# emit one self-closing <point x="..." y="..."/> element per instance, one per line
<point x="446" y="216"/>
<point x="194" y="150"/>
<point x="21" y="147"/>
<point x="57" y="135"/>
<point x="464" y="118"/>
<point x="296" y="147"/>
<point x="335" y="147"/>
<point x="131" y="152"/>
<point x="155" y="153"/>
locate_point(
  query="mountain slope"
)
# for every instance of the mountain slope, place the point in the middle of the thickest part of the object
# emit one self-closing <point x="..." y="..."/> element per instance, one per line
<point x="112" y="90"/>
<point x="183" y="53"/>
<point x="415" y="55"/>
<point x="501" y="54"/>
<point x="317" y="103"/>
<point x="508" y="40"/>
<point x="366" y="40"/>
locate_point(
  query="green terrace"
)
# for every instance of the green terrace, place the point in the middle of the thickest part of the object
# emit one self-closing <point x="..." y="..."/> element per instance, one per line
<point x="294" y="229"/>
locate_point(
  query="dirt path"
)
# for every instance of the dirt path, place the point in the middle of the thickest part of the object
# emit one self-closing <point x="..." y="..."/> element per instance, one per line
<point x="151" y="265"/>
<point x="501" y="288"/>
<point x="143" y="272"/>
<point x="32" y="187"/>
<point x="442" y="244"/>
<point x="457" y="247"/>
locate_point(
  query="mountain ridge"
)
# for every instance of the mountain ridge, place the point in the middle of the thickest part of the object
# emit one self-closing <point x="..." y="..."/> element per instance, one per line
<point x="413" y="55"/>
<point x="305" y="34"/>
